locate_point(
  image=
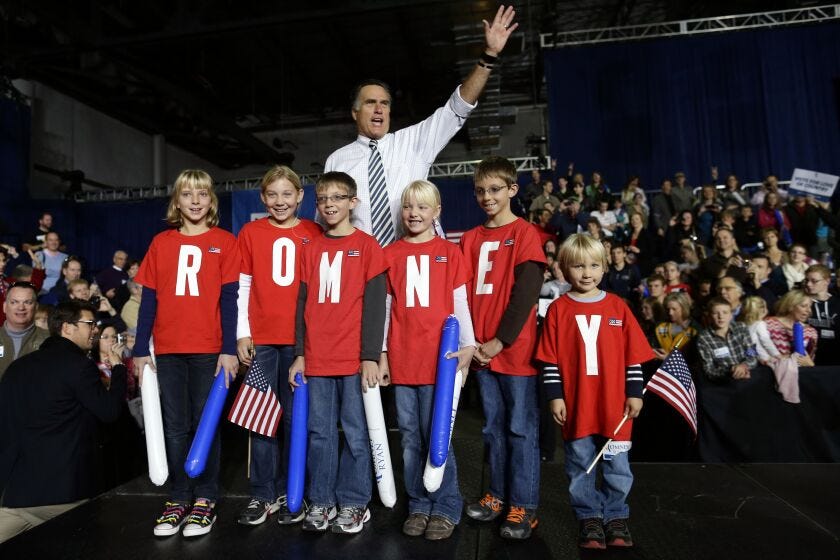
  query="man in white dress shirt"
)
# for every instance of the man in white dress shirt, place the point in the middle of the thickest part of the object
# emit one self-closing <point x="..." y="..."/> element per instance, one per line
<point x="408" y="154"/>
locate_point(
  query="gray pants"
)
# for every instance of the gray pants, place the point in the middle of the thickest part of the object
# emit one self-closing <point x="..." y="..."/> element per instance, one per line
<point x="14" y="521"/>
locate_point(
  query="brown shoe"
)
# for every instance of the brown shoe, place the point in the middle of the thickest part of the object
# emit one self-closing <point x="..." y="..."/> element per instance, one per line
<point x="416" y="524"/>
<point x="439" y="528"/>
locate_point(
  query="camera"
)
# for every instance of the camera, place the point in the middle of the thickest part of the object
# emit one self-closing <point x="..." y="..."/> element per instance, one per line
<point x="121" y="338"/>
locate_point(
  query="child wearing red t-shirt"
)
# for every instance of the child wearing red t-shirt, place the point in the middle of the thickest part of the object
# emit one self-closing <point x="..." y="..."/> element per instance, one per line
<point x="339" y="332"/>
<point x="190" y="278"/>
<point x="507" y="262"/>
<point x="427" y="279"/>
<point x="271" y="250"/>
<point x="592" y="349"/>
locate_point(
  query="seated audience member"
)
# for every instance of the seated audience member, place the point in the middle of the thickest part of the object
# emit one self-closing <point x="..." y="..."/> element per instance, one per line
<point x="114" y="276"/>
<point x="106" y="315"/>
<point x="681" y="192"/>
<point x="631" y="188"/>
<point x="794" y="307"/>
<point x="556" y="286"/>
<point x="673" y="279"/>
<point x="726" y="348"/>
<point x="803" y="219"/>
<point x="48" y="440"/>
<point x="640" y="245"/>
<point x="42" y="316"/>
<point x="753" y="313"/>
<point x="105" y="347"/>
<point x="594" y="229"/>
<point x="770" y="184"/>
<point x="569" y="220"/>
<point x="622" y="219"/>
<point x="639" y="207"/>
<point x="679" y="330"/>
<point x="732" y="195"/>
<point x="770" y="240"/>
<point x="746" y="230"/>
<point x="131" y="308"/>
<point x="691" y="255"/>
<point x="123" y="295"/>
<point x="605" y="217"/>
<point x="595" y="190"/>
<point x="759" y="282"/>
<point x="550" y="246"/>
<point x="726" y="260"/>
<point x="71" y="269"/>
<point x="541" y="225"/>
<point x="656" y="288"/>
<point x="38" y="238"/>
<point x="825" y="315"/>
<point x="706" y="211"/>
<point x="796" y="265"/>
<point x="731" y="291"/>
<point x="770" y="214"/>
<point x="546" y="195"/>
<point x="53" y="259"/>
<point x="680" y="229"/>
<point x="652" y="313"/>
<point x="19" y="335"/>
<point x="663" y="208"/>
<point x="576" y="192"/>
<point x="622" y="279"/>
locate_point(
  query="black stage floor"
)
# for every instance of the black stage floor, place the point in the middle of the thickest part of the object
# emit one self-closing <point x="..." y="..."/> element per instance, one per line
<point x="678" y="511"/>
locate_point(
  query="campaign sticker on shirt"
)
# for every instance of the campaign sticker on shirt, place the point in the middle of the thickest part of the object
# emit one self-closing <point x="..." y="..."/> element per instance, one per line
<point x="826" y="333"/>
<point x="353" y="253"/>
<point x="216" y="250"/>
<point x="508" y="242"/>
<point x="616" y="322"/>
<point x="2" y="351"/>
<point x="722" y="352"/>
<point x="440" y="259"/>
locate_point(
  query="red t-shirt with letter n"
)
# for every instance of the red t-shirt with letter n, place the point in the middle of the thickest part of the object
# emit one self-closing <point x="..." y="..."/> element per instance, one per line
<point x="492" y="254"/>
<point x="592" y="342"/>
<point x="271" y="256"/>
<point x="187" y="272"/>
<point x="421" y="280"/>
<point x="336" y="270"/>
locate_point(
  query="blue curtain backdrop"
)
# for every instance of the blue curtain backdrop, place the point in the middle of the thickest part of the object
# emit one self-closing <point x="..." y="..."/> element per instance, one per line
<point x="750" y="102"/>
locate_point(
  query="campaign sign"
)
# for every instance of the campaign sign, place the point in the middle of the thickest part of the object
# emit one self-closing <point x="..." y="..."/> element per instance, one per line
<point x="811" y="183"/>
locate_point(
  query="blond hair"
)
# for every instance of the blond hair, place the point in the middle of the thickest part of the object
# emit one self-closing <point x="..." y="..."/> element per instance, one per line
<point x="192" y="179"/>
<point x="423" y="191"/>
<point x="682" y="300"/>
<point x="280" y="172"/>
<point x="751" y="310"/>
<point x="576" y="248"/>
<point x="790" y="300"/>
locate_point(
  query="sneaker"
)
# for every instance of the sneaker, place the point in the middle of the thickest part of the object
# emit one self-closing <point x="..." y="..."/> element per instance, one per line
<point x="286" y="517"/>
<point x="519" y="523"/>
<point x="200" y="519"/>
<point x="318" y="518"/>
<point x="591" y="534"/>
<point x="487" y="508"/>
<point x="257" y="512"/>
<point x="415" y="525"/>
<point x="170" y="521"/>
<point x="618" y="533"/>
<point x="439" y="528"/>
<point x="351" y="520"/>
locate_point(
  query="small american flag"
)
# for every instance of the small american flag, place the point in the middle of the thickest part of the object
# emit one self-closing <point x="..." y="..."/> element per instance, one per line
<point x="616" y="322"/>
<point x="440" y="259"/>
<point x="353" y="253"/>
<point x="256" y="407"/>
<point x="672" y="381"/>
<point x="214" y="250"/>
<point x="508" y="242"/>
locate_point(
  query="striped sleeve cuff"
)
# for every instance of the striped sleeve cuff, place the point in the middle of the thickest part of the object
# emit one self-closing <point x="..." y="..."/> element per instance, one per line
<point x="634" y="384"/>
<point x="552" y="383"/>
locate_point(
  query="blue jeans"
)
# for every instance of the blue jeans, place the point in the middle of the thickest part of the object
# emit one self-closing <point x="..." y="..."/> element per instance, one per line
<point x="185" y="381"/>
<point x="270" y="456"/>
<point x="414" y="416"/>
<point x="608" y="502"/>
<point x="343" y="479"/>
<point x="511" y="434"/>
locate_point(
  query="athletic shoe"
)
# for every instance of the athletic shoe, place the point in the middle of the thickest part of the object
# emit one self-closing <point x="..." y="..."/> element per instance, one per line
<point x="286" y="517"/>
<point x="170" y="521"/>
<point x="439" y="528"/>
<point x="519" y="523"/>
<point x="416" y="524"/>
<point x="618" y="533"/>
<point x="351" y="520"/>
<point x="591" y="534"/>
<point x="318" y="518"/>
<point x="200" y="519"/>
<point x="487" y="508"/>
<point x="257" y="512"/>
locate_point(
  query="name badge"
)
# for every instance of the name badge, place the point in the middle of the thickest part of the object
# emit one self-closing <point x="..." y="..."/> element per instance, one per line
<point x="722" y="352"/>
<point x="824" y="333"/>
<point x="2" y="351"/>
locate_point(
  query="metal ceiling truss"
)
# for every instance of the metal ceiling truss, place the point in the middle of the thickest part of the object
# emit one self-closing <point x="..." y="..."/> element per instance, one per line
<point x="453" y="169"/>
<point x="687" y="27"/>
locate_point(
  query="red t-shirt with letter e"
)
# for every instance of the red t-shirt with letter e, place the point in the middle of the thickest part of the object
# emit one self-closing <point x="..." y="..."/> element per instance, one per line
<point x="271" y="256"/>
<point x="336" y="271"/>
<point x="492" y="254"/>
<point x="592" y="342"/>
<point x="187" y="273"/>
<point x="421" y="280"/>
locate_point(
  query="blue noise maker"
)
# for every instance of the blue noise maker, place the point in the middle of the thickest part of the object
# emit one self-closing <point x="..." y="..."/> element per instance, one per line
<point x="297" y="445"/>
<point x="197" y="457"/>
<point x="153" y="426"/>
<point x="379" y="450"/>
<point x="432" y="475"/>
<point x="444" y="391"/>
<point x="798" y="338"/>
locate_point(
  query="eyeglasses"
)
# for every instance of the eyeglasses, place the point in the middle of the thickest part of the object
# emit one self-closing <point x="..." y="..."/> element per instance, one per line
<point x="815" y="280"/>
<point x="87" y="322"/>
<point x="493" y="191"/>
<point x="23" y="284"/>
<point x="332" y="198"/>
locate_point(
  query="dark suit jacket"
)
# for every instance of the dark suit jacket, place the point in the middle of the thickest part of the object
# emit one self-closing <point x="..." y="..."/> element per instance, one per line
<point x="50" y="401"/>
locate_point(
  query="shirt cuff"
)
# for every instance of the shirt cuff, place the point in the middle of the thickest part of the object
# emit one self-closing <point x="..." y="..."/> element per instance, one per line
<point x="459" y="106"/>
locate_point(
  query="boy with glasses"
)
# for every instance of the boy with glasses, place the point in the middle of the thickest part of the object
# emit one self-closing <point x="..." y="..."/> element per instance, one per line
<point x="825" y="308"/>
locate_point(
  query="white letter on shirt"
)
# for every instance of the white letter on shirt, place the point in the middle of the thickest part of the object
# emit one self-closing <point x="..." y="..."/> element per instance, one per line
<point x="589" y="333"/>
<point x="417" y="280"/>
<point x="485" y="266"/>
<point x="189" y="263"/>
<point x="329" y="278"/>
<point x="283" y="262"/>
